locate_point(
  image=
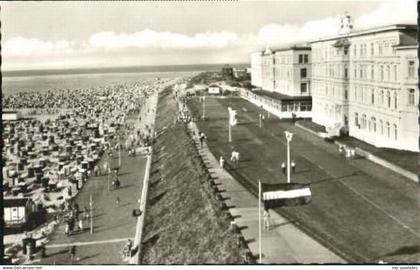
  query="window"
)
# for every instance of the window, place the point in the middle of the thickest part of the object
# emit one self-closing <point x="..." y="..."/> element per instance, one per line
<point x="388" y="73"/>
<point x="395" y="73"/>
<point x="388" y="131"/>
<point x="346" y="51"/>
<point x="388" y="98"/>
<point x="356" y="120"/>
<point x="361" y="72"/>
<point x="373" y="120"/>
<point x="382" y="97"/>
<point x="382" y="73"/>
<point x="355" y="50"/>
<point x="303" y="73"/>
<point x="372" y="50"/>
<point x="364" y="121"/>
<point x="300" y="58"/>
<point x="373" y="96"/>
<point x="395" y="128"/>
<point x="410" y="96"/>
<point x="395" y="101"/>
<point x="345" y="72"/>
<point x="355" y="71"/>
<point x="345" y="94"/>
<point x="411" y="70"/>
<point x="303" y="87"/>
<point x="305" y="59"/>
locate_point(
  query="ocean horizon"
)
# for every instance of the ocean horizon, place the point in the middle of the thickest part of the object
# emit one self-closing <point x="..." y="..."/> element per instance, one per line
<point x="44" y="80"/>
<point x="120" y="69"/>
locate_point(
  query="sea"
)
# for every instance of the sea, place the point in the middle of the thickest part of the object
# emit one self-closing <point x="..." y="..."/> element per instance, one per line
<point x="43" y="80"/>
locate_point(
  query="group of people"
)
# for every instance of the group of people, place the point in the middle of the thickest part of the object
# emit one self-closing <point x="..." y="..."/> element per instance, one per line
<point x="74" y="218"/>
<point x="348" y="152"/>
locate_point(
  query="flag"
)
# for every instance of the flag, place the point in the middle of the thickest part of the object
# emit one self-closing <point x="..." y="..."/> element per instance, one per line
<point x="285" y="194"/>
<point x="232" y="117"/>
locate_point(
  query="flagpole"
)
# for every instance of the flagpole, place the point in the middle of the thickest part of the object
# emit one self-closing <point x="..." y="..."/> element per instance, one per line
<point x="288" y="161"/>
<point x="259" y="219"/>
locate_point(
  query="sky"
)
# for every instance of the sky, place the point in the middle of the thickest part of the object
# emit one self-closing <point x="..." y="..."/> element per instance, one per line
<point x="65" y="34"/>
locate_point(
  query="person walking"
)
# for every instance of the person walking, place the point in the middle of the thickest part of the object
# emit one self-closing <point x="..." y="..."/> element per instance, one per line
<point x="202" y="138"/>
<point x="81" y="225"/>
<point x="293" y="164"/>
<point x="43" y="250"/>
<point x="86" y="212"/>
<point x="266" y="216"/>
<point x="234" y="157"/>
<point x="72" y="253"/>
<point x="67" y="228"/>
<point x="117" y="200"/>
<point x="221" y="161"/>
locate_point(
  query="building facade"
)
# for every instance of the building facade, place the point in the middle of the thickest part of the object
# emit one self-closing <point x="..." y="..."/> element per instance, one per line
<point x="267" y="70"/>
<point x="256" y="72"/>
<point x="292" y="67"/>
<point x="366" y="83"/>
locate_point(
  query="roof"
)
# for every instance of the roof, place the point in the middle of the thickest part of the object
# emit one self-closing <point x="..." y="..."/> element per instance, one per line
<point x="407" y="47"/>
<point x="279" y="96"/>
<point x="294" y="48"/>
<point x="14" y="202"/>
<point x="9" y="112"/>
<point x="370" y="31"/>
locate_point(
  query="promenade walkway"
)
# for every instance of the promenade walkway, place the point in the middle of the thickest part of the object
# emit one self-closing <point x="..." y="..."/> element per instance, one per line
<point x="284" y="243"/>
<point x="113" y="223"/>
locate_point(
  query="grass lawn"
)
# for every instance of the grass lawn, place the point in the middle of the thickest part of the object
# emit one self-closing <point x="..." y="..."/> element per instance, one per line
<point x="357" y="213"/>
<point x="184" y="222"/>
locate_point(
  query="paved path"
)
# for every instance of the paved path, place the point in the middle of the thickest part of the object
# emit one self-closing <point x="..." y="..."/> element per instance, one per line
<point x="113" y="224"/>
<point x="284" y="242"/>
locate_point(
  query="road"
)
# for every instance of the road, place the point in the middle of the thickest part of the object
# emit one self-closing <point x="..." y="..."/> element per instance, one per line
<point x="360" y="210"/>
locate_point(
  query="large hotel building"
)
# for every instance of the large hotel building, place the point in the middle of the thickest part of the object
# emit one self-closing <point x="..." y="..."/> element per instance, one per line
<point x="364" y="83"/>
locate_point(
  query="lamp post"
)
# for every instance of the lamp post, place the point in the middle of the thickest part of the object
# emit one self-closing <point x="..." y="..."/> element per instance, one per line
<point x="119" y="150"/>
<point x="107" y="172"/>
<point x="91" y="213"/>
<point x="289" y="136"/>
<point x="204" y="107"/>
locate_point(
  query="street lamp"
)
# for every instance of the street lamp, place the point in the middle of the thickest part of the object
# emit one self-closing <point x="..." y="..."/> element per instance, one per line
<point x="289" y="136"/>
<point x="203" y="99"/>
